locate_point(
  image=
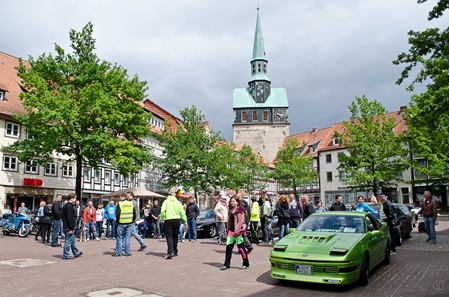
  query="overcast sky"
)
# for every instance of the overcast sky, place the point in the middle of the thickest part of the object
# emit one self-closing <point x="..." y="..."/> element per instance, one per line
<point x="195" y="52"/>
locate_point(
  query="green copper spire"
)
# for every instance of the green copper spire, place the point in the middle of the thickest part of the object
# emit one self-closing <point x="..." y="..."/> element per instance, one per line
<point x="259" y="62"/>
<point x="259" y="46"/>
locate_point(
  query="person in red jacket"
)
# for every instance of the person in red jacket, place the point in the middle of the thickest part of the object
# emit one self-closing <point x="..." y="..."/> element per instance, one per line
<point x="236" y="228"/>
<point x="90" y="219"/>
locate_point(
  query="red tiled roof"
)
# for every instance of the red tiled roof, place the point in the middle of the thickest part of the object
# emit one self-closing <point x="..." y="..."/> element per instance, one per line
<point x="326" y="135"/>
<point x="161" y="113"/>
<point x="10" y="84"/>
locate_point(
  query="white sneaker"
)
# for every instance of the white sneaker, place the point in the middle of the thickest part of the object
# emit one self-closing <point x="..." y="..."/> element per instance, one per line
<point x="87" y="239"/>
<point x="98" y="239"/>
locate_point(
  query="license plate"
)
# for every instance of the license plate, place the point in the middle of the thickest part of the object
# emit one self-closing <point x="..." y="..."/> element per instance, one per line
<point x="303" y="269"/>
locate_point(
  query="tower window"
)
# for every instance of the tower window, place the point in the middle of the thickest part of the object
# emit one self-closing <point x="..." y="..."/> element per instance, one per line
<point x="259" y="68"/>
<point x="264" y="68"/>
<point x="244" y="116"/>
<point x="254" y="115"/>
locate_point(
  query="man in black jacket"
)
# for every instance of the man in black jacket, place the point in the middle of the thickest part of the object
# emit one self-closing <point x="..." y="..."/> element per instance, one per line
<point x="192" y="212"/>
<point x="388" y="214"/>
<point x="68" y="216"/>
<point x="56" y="220"/>
<point x="338" y="204"/>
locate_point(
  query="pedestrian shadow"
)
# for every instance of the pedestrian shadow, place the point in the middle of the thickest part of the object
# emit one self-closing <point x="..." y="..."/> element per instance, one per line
<point x="156" y="254"/>
<point x="214" y="264"/>
<point x="208" y="242"/>
<point x="109" y="253"/>
<point x="220" y="251"/>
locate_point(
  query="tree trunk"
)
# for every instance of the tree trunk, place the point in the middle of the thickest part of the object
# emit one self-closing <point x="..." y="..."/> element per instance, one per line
<point x="79" y="174"/>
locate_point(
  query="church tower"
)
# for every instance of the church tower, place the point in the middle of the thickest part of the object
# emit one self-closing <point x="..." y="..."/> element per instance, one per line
<point x="260" y="111"/>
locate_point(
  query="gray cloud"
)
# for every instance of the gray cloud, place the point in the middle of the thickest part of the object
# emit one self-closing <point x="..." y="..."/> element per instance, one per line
<point x="196" y="52"/>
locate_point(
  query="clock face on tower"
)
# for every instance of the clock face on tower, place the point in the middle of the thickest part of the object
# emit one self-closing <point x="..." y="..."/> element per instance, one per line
<point x="279" y="115"/>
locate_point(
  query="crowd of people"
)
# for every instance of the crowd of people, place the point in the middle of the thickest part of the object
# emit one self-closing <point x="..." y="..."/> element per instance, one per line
<point x="238" y="221"/>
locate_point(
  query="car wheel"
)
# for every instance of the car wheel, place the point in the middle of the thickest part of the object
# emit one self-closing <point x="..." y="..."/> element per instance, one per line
<point x="364" y="270"/>
<point x="387" y="255"/>
<point x="399" y="237"/>
<point x="212" y="231"/>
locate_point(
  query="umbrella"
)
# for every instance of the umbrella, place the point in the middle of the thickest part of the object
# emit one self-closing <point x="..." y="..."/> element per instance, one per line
<point x="138" y="192"/>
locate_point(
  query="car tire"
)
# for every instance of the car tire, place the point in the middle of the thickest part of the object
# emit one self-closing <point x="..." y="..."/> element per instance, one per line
<point x="387" y="258"/>
<point x="364" y="271"/>
<point x="399" y="238"/>
<point x="409" y="233"/>
<point x="212" y="231"/>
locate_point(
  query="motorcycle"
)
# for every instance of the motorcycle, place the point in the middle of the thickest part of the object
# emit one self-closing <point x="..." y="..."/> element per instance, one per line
<point x="19" y="224"/>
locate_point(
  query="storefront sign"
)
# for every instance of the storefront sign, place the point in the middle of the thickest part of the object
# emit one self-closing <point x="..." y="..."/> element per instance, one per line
<point x="35" y="182"/>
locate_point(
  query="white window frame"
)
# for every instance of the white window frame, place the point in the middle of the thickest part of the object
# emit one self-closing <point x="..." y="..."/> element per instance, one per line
<point x="2" y="95"/>
<point x="51" y="169"/>
<point x="10" y="160"/>
<point x="67" y="171"/>
<point x="335" y="141"/>
<point x="107" y="177"/>
<point x="31" y="167"/>
<point x="117" y="178"/>
<point x="97" y="176"/>
<point x="87" y="174"/>
<point x="14" y="129"/>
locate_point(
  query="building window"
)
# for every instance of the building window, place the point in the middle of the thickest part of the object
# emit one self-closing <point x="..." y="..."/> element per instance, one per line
<point x="328" y="158"/>
<point x="9" y="163"/>
<point x="67" y="171"/>
<point x="254" y="115"/>
<point x="259" y="68"/>
<point x="335" y="141"/>
<point x="50" y="169"/>
<point x="31" y="167"/>
<point x="2" y="95"/>
<point x="418" y="174"/>
<point x="97" y="176"/>
<point x="133" y="181"/>
<point x="329" y="176"/>
<point x="117" y="178"/>
<point x="86" y="174"/>
<point x="265" y="116"/>
<point x="342" y="175"/>
<point x="253" y="69"/>
<point x="244" y="116"/>
<point x="125" y="181"/>
<point x="12" y="130"/>
<point x="107" y="177"/>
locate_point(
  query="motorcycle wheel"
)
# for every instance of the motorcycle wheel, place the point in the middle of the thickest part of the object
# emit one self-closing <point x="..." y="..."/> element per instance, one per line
<point x="24" y="231"/>
<point x="6" y="232"/>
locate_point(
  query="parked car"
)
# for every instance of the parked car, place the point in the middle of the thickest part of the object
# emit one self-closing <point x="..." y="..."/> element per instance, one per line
<point x="337" y="248"/>
<point x="405" y="227"/>
<point x="205" y="223"/>
<point x="414" y="210"/>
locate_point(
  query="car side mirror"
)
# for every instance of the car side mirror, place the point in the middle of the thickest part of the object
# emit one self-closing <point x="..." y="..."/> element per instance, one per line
<point x="376" y="233"/>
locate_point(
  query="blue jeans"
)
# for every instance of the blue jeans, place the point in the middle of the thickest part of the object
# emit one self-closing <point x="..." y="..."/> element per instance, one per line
<point x="156" y="228"/>
<point x="123" y="238"/>
<point x="146" y="233"/>
<point x="55" y="231"/>
<point x="181" y="232"/>
<point x="191" y="229"/>
<point x="283" y="230"/>
<point x="135" y="234"/>
<point x="91" y="226"/>
<point x="429" y="226"/>
<point x="111" y="223"/>
<point x="70" y="244"/>
<point x="268" y="223"/>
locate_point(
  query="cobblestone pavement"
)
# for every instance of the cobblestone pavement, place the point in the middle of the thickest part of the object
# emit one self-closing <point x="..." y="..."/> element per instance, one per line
<point x="29" y="268"/>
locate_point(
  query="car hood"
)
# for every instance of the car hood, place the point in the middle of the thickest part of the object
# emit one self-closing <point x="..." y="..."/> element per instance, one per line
<point x="318" y="242"/>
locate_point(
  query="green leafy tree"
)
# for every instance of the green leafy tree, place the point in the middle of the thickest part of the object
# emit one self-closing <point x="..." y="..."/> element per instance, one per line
<point x="246" y="169"/>
<point x="293" y="170"/>
<point x="188" y="154"/>
<point x="82" y="108"/>
<point x="427" y="118"/>
<point x="377" y="155"/>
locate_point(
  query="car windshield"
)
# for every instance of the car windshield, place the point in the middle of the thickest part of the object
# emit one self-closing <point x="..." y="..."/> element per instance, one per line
<point x="204" y="214"/>
<point x="403" y="207"/>
<point x="334" y="223"/>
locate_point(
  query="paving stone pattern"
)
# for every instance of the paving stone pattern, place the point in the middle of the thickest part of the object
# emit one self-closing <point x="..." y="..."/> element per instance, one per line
<point x="29" y="268"/>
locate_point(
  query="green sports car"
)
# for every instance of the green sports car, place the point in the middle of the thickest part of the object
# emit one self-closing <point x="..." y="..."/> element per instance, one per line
<point x="335" y="247"/>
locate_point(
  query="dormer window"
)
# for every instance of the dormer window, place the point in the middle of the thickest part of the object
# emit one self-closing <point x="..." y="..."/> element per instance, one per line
<point x="335" y="141"/>
<point x="2" y="95"/>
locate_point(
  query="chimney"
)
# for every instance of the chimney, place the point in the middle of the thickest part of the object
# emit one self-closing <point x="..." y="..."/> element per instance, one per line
<point x="314" y="130"/>
<point x="402" y="109"/>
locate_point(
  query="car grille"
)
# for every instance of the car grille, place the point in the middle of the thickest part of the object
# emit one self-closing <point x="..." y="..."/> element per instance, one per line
<point x="315" y="269"/>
